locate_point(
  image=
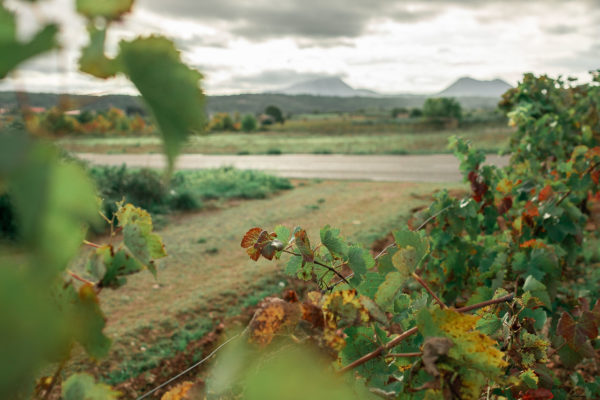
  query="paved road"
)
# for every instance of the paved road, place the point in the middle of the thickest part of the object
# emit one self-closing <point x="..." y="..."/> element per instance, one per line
<point x="416" y="168"/>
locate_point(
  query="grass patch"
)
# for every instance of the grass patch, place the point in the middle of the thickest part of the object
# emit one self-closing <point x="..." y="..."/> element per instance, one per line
<point x="492" y="138"/>
<point x="187" y="190"/>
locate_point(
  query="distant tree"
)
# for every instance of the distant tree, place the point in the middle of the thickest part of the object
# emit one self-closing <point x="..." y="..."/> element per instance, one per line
<point x="397" y="111"/>
<point x="415" y="113"/>
<point x="228" y="123"/>
<point x="276" y="113"/>
<point x="85" y="117"/>
<point x="249" y="123"/>
<point x="442" y="108"/>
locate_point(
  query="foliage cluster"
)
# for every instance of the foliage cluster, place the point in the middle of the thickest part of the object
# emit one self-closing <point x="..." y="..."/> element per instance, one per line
<point x="56" y="123"/>
<point x="48" y="309"/>
<point x="516" y="252"/>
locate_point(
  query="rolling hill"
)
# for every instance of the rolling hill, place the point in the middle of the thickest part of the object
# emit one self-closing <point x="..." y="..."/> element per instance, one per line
<point x="328" y="87"/>
<point x="466" y="86"/>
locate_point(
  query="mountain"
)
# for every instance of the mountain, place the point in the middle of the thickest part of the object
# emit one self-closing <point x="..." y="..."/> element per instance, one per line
<point x="331" y="87"/>
<point x="475" y="88"/>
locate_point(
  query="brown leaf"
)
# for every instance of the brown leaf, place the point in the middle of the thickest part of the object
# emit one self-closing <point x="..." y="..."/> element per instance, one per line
<point x="433" y="349"/>
<point x="273" y="317"/>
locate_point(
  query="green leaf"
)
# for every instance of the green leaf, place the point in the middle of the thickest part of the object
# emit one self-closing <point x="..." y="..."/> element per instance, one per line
<point x="412" y="250"/>
<point x="537" y="289"/>
<point x="283" y="233"/>
<point x="109" y="9"/>
<point x="93" y="61"/>
<point x="138" y="237"/>
<point x="369" y="285"/>
<point x="489" y="324"/>
<point x="54" y="202"/>
<point x="293" y="265"/>
<point x="84" y="387"/>
<point x="14" y="52"/>
<point x="332" y="240"/>
<point x="170" y="88"/>
<point x="109" y="267"/>
<point x="360" y="260"/>
<point x="529" y="378"/>
<point x="387" y="291"/>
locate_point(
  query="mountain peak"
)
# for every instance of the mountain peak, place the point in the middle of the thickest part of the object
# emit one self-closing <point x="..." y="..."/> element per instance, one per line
<point x="326" y="86"/>
<point x="470" y="87"/>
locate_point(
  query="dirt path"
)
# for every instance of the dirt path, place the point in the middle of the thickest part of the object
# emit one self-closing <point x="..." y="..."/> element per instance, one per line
<point x="422" y="168"/>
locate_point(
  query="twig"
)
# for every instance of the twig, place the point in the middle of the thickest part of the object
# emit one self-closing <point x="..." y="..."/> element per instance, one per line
<point x="91" y="244"/>
<point x="426" y="286"/>
<point x="322" y="265"/>
<point x="499" y="300"/>
<point x="434" y="216"/>
<point x="428" y="220"/>
<point x="400" y="355"/>
<point x="394" y="342"/>
<point x="55" y="378"/>
<point x="375" y="353"/>
<point x="74" y="275"/>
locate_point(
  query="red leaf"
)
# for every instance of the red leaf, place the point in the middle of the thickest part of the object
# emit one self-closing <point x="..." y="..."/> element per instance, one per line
<point x="545" y="193"/>
<point x="251" y="237"/>
<point x="531" y="210"/>
<point x="478" y="187"/>
<point x="259" y="241"/>
<point x="505" y="205"/>
<point x="537" y="394"/>
<point x="533" y="243"/>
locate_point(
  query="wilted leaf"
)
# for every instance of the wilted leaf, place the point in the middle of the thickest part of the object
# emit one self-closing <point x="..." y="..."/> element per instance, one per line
<point x="183" y="391"/>
<point x="260" y="242"/>
<point x="273" y="317"/>
<point x="474" y="354"/>
<point x="169" y="87"/>
<point x="577" y="333"/>
<point x="433" y="349"/>
<point x="84" y="387"/>
<point x="341" y="310"/>
<point x="303" y="245"/>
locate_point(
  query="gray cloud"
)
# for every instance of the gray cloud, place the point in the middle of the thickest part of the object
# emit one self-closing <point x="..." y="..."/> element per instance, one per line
<point x="318" y="22"/>
<point x="309" y="19"/>
<point x="561" y="29"/>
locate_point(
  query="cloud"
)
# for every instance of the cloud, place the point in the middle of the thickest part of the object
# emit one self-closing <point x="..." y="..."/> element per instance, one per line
<point x="309" y="19"/>
<point x="561" y="29"/>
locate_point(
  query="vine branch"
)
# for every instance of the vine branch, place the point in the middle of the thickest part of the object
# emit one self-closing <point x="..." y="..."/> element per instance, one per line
<point x="426" y="286"/>
<point x="394" y="342"/>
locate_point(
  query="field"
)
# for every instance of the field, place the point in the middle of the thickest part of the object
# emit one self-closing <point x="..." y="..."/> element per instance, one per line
<point x="491" y="139"/>
<point x="208" y="279"/>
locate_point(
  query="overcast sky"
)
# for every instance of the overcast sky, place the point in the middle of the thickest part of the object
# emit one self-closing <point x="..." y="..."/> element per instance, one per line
<point x="383" y="45"/>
